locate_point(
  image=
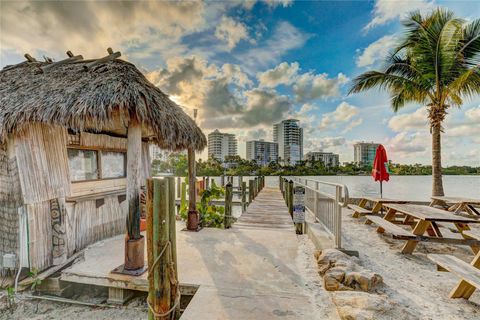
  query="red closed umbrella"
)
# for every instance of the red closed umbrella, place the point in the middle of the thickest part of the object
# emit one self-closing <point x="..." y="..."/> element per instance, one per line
<point x="380" y="167"/>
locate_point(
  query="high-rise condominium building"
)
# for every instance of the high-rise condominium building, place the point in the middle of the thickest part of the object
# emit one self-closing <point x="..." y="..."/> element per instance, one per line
<point x="221" y="145"/>
<point x="263" y="152"/>
<point x="364" y="152"/>
<point x="328" y="159"/>
<point x="289" y="137"/>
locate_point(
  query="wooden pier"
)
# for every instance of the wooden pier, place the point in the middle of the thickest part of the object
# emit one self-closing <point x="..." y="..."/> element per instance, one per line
<point x="249" y="271"/>
<point x="268" y="210"/>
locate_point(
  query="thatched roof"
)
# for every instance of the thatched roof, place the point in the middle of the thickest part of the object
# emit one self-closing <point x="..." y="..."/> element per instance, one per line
<point x="102" y="97"/>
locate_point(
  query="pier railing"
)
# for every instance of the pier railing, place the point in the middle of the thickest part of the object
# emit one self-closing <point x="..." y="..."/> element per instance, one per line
<point x="325" y="201"/>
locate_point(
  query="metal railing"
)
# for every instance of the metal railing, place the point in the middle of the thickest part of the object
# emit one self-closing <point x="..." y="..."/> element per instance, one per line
<point x="325" y="205"/>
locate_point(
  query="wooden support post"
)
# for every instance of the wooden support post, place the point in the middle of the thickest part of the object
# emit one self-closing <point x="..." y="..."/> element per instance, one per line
<point x="192" y="219"/>
<point x="183" y="196"/>
<point x="222" y="180"/>
<point x="244" y="196"/>
<point x="250" y="191"/>
<point x="207" y="183"/>
<point x="240" y="181"/>
<point x="280" y="185"/>
<point x="172" y="237"/>
<point x="290" y="198"/>
<point x="134" y="259"/>
<point x="159" y="294"/>
<point x="228" y="205"/>
<point x="179" y="187"/>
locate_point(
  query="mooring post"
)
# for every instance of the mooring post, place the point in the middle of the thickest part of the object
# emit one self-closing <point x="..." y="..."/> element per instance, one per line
<point x="159" y="293"/>
<point x="244" y="196"/>
<point x="222" y="180"/>
<point x="255" y="187"/>
<point x="172" y="237"/>
<point x="250" y="191"/>
<point x="290" y="198"/>
<point x="228" y="205"/>
<point x="280" y="184"/>
<point x="240" y="180"/>
<point x="183" y="197"/>
<point x="179" y="187"/>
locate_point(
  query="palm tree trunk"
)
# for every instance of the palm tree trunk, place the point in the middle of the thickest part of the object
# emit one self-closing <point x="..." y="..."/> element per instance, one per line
<point x="437" y="184"/>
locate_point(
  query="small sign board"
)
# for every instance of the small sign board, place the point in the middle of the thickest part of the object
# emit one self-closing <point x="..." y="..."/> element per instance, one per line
<point x="299" y="204"/>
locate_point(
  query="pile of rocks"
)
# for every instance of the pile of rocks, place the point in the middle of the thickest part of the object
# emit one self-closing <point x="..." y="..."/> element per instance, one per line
<point x="340" y="272"/>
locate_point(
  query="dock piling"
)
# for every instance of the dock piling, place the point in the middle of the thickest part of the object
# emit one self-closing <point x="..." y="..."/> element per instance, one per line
<point x="244" y="196"/>
<point x="228" y="205"/>
<point x="163" y="294"/>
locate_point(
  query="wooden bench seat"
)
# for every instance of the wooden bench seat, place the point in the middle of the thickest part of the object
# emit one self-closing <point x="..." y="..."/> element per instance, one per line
<point x="384" y="225"/>
<point x="475" y="234"/>
<point x="359" y="210"/>
<point x="468" y="273"/>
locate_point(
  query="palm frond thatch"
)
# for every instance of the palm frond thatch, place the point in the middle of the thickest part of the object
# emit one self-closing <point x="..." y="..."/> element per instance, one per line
<point x="69" y="96"/>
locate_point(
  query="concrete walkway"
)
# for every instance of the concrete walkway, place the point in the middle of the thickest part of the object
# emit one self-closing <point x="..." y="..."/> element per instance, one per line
<point x="258" y="269"/>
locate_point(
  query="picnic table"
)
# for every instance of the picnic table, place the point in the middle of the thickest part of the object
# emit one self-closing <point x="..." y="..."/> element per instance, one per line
<point x="457" y="204"/>
<point x="469" y="273"/>
<point x="422" y="219"/>
<point x="376" y="204"/>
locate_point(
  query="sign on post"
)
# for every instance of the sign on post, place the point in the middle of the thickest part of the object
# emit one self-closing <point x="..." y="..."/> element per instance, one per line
<point x="299" y="204"/>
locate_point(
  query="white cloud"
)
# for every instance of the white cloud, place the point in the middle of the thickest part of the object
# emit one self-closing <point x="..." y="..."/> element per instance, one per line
<point x="473" y="114"/>
<point x="353" y="124"/>
<point x="409" y="121"/>
<point x="276" y="3"/>
<point x="408" y="144"/>
<point x="285" y="37"/>
<point x="88" y="27"/>
<point x="388" y="10"/>
<point x="309" y="86"/>
<point x="342" y="114"/>
<point x="284" y="73"/>
<point x="376" y="51"/>
<point x="265" y="107"/>
<point x="231" y="32"/>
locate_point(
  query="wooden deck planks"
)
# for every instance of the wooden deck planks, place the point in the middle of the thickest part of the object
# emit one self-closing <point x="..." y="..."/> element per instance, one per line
<point x="268" y="210"/>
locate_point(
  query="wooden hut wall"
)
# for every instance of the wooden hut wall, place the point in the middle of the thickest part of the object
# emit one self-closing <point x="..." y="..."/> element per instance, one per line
<point x="10" y="200"/>
<point x="40" y="235"/>
<point x="40" y="154"/>
<point x="102" y="141"/>
<point x="90" y="222"/>
<point x="43" y="162"/>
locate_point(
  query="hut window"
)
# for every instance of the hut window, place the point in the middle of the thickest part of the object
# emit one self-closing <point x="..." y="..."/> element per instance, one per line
<point x="113" y="164"/>
<point x="83" y="164"/>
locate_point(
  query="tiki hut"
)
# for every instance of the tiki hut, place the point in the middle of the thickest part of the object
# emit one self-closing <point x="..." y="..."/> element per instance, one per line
<point x="74" y="152"/>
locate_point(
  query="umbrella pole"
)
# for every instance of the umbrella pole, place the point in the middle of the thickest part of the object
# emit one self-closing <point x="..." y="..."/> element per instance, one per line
<point x="381" y="195"/>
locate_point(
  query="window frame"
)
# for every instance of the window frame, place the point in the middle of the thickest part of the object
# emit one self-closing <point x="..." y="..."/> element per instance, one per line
<point x="99" y="162"/>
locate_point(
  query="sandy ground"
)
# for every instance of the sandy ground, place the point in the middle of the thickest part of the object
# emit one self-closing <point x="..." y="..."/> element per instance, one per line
<point x="41" y="310"/>
<point x="413" y="286"/>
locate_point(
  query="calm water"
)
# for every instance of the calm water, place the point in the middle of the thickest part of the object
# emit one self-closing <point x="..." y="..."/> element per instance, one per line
<point x="416" y="188"/>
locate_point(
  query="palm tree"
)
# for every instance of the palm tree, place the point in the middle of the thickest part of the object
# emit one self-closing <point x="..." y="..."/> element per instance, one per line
<point x="436" y="64"/>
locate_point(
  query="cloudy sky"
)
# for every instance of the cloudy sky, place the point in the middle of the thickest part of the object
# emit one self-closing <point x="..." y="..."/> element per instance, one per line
<point x="247" y="65"/>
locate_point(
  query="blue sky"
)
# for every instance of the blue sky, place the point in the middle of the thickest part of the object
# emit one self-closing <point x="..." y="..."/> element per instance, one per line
<point x="247" y="65"/>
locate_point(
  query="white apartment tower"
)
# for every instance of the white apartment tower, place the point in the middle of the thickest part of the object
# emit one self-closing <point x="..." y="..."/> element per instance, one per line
<point x="263" y="152"/>
<point x="364" y="152"/>
<point x="328" y="159"/>
<point x="289" y="137"/>
<point x="221" y="145"/>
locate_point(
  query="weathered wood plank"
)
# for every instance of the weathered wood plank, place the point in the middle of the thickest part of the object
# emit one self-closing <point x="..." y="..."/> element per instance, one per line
<point x="465" y="271"/>
<point x="429" y="213"/>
